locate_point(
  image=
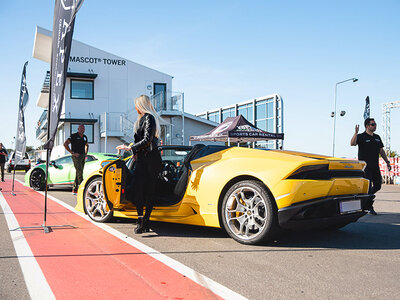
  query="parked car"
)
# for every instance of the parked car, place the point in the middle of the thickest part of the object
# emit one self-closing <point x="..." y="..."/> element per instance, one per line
<point x="62" y="171"/>
<point x="23" y="164"/>
<point x="251" y="193"/>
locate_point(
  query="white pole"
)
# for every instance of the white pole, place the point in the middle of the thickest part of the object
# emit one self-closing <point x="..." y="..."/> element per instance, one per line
<point x="183" y="119"/>
<point x="105" y="128"/>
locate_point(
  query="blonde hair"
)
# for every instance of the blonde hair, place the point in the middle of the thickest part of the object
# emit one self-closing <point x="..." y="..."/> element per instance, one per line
<point x="143" y="104"/>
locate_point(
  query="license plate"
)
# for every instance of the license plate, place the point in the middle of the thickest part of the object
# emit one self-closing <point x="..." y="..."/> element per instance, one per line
<point x="350" y="206"/>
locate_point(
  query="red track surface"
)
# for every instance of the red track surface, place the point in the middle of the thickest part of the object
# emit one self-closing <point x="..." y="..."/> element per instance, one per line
<point x="90" y="263"/>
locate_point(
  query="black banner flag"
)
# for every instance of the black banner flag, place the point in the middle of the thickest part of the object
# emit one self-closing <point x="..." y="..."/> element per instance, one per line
<point x="63" y="28"/>
<point x="20" y="144"/>
<point x="366" y="111"/>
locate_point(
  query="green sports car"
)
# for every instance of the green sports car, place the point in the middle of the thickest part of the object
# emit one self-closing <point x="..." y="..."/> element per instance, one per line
<point x="62" y="171"/>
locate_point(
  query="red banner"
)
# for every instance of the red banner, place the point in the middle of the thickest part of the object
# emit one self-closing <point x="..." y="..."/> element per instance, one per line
<point x="394" y="162"/>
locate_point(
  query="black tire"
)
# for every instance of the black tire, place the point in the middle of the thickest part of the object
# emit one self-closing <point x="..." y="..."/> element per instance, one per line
<point x="252" y="221"/>
<point x="94" y="203"/>
<point x="8" y="170"/>
<point x="37" y="180"/>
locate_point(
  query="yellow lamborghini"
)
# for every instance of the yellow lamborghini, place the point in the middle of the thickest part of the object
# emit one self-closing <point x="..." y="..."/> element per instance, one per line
<point x="251" y="193"/>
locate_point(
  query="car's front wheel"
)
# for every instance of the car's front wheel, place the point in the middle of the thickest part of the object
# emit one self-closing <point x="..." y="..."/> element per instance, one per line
<point x="94" y="202"/>
<point x="37" y="180"/>
<point x="248" y="214"/>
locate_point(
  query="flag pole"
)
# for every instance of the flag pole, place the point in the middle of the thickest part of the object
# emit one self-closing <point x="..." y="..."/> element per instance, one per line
<point x="46" y="229"/>
<point x="12" y="191"/>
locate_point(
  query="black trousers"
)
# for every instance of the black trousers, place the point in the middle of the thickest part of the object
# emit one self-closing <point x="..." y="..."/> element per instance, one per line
<point x="145" y="174"/>
<point x="2" y="170"/>
<point x="79" y="164"/>
<point x="375" y="179"/>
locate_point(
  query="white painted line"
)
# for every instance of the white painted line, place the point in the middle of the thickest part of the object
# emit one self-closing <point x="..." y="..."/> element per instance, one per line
<point x="202" y="280"/>
<point x="35" y="281"/>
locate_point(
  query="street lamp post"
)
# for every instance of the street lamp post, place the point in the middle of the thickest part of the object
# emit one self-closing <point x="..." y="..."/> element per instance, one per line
<point x="334" y="112"/>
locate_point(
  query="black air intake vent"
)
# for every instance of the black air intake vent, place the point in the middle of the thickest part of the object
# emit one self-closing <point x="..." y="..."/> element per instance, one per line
<point x="322" y="172"/>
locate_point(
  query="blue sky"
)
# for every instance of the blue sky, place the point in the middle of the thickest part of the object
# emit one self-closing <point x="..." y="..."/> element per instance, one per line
<point x="224" y="52"/>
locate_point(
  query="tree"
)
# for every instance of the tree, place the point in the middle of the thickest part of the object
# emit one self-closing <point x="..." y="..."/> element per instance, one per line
<point x="29" y="148"/>
<point x="392" y="153"/>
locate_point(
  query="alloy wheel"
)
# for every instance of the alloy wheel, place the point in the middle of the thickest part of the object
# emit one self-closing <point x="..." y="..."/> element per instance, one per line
<point x="95" y="204"/>
<point x="245" y="212"/>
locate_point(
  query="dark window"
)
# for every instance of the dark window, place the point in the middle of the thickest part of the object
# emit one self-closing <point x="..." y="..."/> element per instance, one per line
<point x="90" y="158"/>
<point x="89" y="131"/>
<point x="160" y="91"/>
<point x="82" y="89"/>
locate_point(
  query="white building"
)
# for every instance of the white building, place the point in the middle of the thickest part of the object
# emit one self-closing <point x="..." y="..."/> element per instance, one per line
<point x="99" y="93"/>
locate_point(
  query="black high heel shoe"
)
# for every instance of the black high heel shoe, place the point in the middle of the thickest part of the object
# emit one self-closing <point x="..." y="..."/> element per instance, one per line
<point x="139" y="226"/>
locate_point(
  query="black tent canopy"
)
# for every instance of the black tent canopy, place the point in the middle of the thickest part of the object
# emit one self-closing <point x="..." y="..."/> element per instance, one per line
<point x="237" y="130"/>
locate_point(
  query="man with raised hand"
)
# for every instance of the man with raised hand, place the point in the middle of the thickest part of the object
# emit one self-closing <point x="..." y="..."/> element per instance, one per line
<point x="369" y="147"/>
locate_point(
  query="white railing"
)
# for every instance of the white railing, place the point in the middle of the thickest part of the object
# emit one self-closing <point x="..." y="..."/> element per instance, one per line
<point x="170" y="101"/>
<point x="116" y="124"/>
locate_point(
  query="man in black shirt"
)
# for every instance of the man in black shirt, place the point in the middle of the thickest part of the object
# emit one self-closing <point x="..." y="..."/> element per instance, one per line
<point x="369" y="147"/>
<point x="79" y="149"/>
<point x="3" y="158"/>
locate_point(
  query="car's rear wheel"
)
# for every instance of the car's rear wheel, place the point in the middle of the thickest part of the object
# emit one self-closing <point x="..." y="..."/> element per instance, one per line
<point x="37" y="180"/>
<point x="94" y="202"/>
<point x="248" y="213"/>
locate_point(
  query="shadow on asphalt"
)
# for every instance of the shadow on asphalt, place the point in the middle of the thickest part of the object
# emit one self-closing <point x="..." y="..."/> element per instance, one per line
<point x="367" y="233"/>
<point x="356" y="236"/>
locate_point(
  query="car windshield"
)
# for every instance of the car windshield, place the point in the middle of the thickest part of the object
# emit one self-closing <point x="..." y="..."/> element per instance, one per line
<point x="176" y="156"/>
<point x="26" y="156"/>
<point x="64" y="160"/>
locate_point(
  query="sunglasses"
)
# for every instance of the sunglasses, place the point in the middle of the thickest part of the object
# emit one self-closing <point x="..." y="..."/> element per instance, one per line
<point x="372" y="124"/>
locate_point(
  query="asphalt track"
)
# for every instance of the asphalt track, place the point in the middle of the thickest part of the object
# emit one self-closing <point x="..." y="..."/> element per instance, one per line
<point x="360" y="261"/>
<point x="88" y="262"/>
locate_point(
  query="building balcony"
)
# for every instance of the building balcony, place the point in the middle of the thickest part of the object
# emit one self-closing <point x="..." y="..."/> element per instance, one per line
<point x="168" y="104"/>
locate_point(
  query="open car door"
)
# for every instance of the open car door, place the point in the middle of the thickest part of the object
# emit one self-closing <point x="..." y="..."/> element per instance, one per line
<point x="115" y="178"/>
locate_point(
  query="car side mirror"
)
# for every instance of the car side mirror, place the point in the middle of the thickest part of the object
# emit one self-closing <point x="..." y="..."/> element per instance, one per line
<point x="53" y="163"/>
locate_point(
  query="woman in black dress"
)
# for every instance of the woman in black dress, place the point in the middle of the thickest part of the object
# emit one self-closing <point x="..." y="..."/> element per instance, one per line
<point x="148" y="160"/>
